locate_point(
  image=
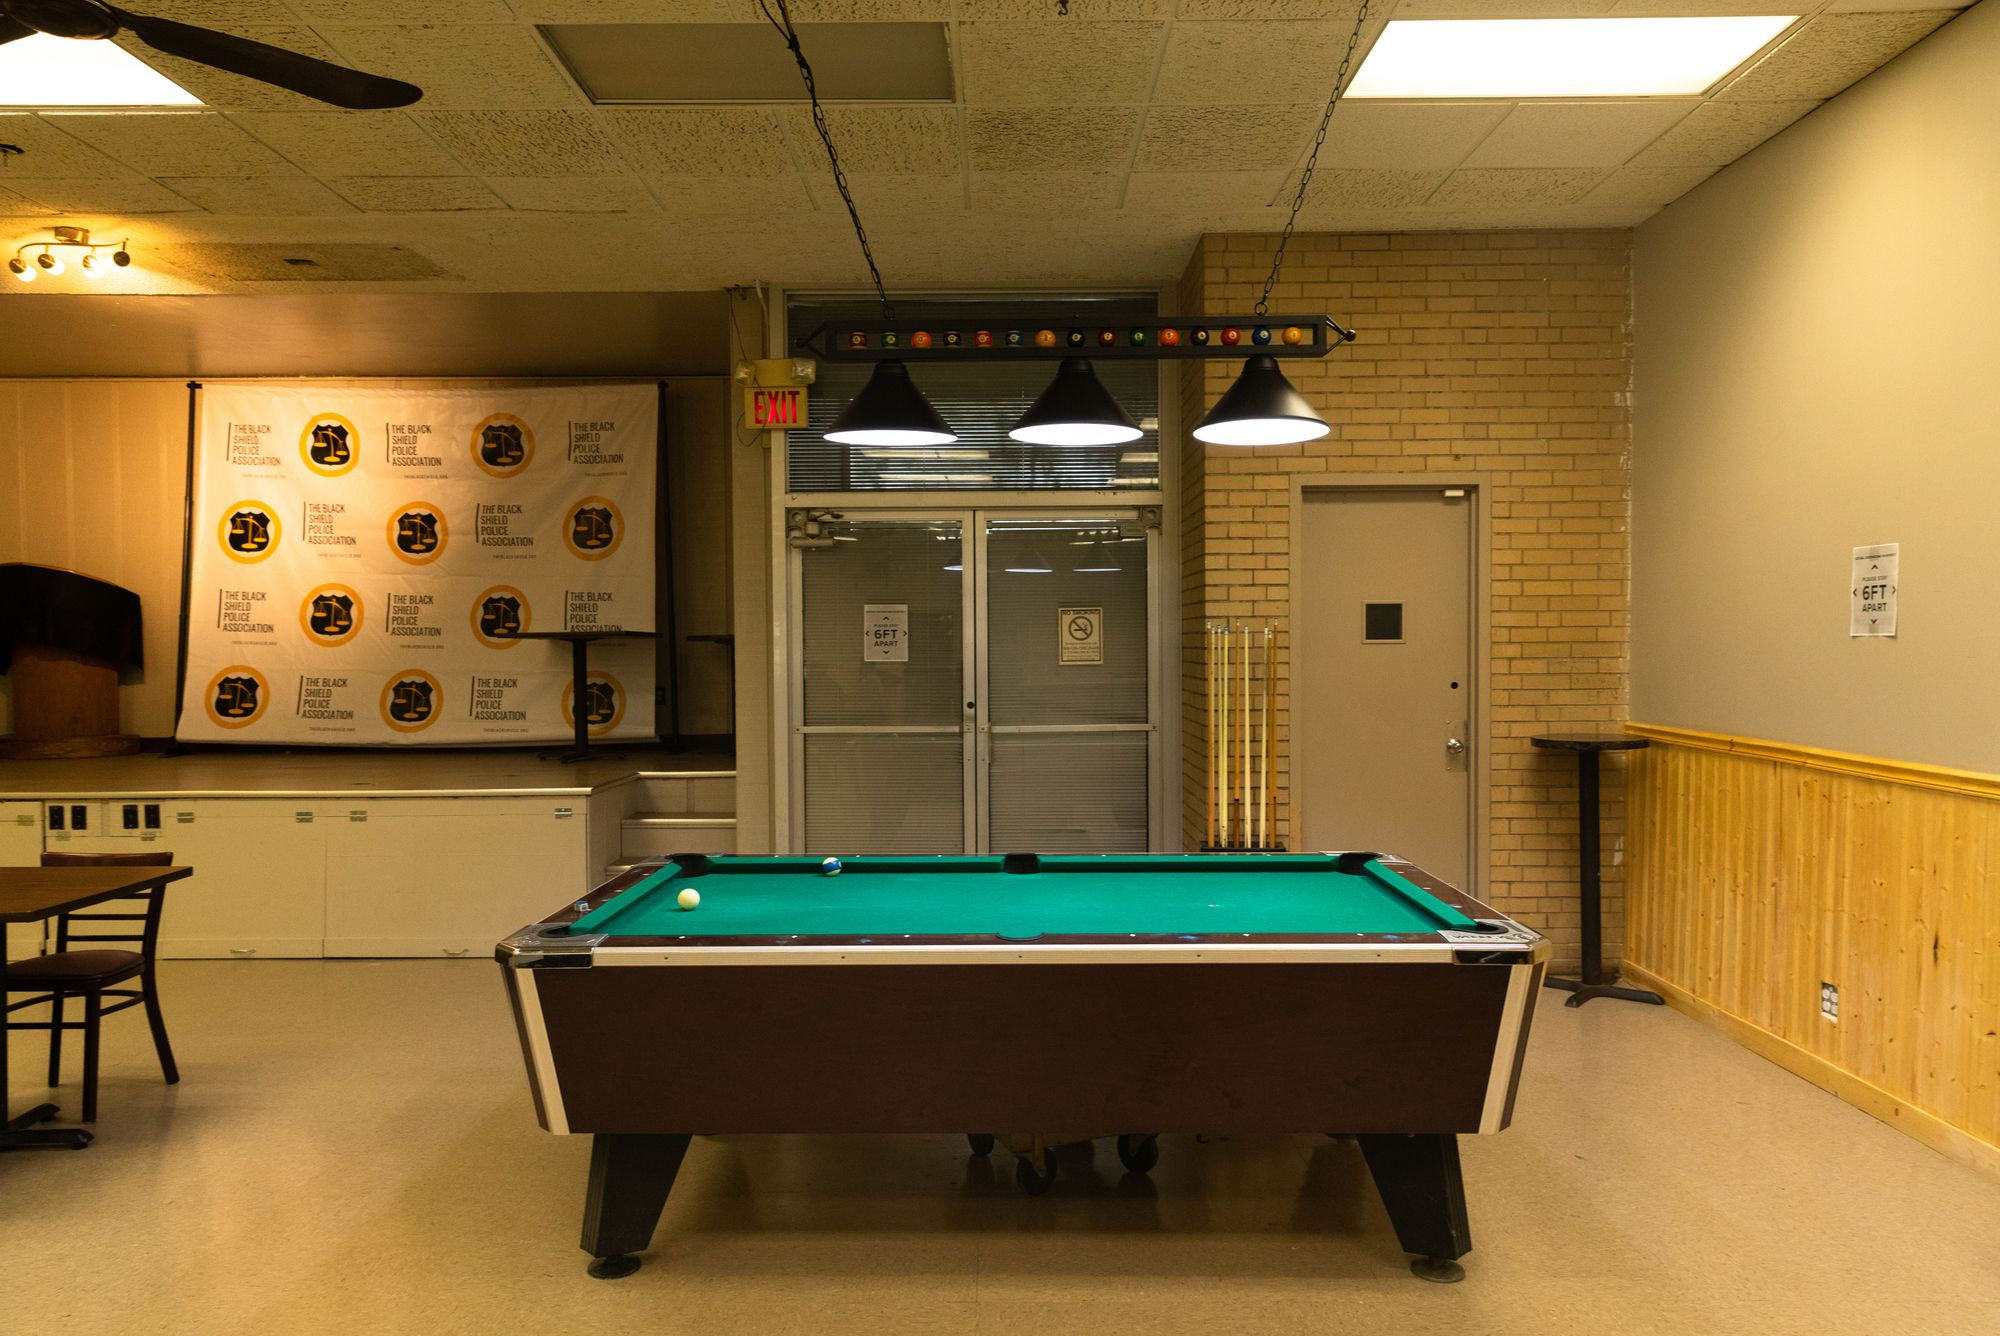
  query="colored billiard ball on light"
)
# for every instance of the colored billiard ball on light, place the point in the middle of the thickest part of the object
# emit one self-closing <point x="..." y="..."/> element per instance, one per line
<point x="688" y="898"/>
<point x="1260" y="335"/>
<point x="1231" y="335"/>
<point x="829" y="867"/>
<point x="1170" y="338"/>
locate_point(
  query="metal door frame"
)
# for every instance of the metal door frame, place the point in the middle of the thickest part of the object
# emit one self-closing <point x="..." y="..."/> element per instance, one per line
<point x="796" y="668"/>
<point x="1480" y="728"/>
<point x="1148" y="519"/>
<point x="975" y="652"/>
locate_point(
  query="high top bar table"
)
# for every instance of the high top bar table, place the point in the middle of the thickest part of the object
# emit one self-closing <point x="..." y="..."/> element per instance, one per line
<point x="579" y="660"/>
<point x="1594" y="983"/>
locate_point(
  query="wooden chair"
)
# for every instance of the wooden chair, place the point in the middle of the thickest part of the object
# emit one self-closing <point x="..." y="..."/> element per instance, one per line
<point x="90" y="973"/>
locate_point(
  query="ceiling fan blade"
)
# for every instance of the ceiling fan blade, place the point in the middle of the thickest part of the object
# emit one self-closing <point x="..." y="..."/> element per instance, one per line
<point x="313" y="77"/>
<point x="13" y="29"/>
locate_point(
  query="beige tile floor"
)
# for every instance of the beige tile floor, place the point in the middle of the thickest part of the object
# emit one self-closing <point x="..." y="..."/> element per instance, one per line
<point x="352" y="1151"/>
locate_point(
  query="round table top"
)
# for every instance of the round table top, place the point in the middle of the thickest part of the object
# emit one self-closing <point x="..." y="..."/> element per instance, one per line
<point x="1591" y="742"/>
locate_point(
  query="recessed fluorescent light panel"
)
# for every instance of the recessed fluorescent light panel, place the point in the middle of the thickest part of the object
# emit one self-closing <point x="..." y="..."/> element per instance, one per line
<point x="1528" y="58"/>
<point x="45" y="71"/>
<point x="638" y="64"/>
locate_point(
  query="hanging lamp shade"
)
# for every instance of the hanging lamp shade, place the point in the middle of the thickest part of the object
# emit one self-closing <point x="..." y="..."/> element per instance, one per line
<point x="1075" y="409"/>
<point x="890" y="410"/>
<point x="1261" y="408"/>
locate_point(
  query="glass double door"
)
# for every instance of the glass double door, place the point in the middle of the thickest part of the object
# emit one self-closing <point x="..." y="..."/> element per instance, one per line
<point x="973" y="682"/>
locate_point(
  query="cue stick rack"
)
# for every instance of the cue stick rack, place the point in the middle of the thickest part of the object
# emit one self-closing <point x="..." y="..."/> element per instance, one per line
<point x="1242" y="809"/>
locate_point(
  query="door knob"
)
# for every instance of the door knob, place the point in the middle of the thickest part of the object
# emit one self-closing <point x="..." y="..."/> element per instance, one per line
<point x="1454" y="746"/>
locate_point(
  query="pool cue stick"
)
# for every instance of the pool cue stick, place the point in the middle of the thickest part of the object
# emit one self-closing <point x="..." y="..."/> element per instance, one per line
<point x="1270" y="819"/>
<point x="1245" y="832"/>
<point x="1208" y="664"/>
<point x="1223" y="633"/>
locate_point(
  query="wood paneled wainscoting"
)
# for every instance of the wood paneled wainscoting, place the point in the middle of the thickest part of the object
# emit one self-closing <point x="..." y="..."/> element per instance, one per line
<point x="1760" y="871"/>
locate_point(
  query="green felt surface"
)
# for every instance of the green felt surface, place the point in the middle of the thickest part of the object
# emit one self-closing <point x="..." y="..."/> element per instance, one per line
<point x="1082" y="896"/>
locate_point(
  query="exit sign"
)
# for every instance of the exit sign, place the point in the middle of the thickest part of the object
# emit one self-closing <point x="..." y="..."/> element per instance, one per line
<point x="774" y="407"/>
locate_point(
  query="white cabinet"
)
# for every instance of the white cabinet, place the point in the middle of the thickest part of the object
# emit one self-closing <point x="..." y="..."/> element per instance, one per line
<point x="450" y="876"/>
<point x="259" y="883"/>
<point x="21" y="846"/>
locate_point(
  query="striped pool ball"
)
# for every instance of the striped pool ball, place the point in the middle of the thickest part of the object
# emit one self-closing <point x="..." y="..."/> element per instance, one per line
<point x="1014" y="338"/>
<point x="952" y="338"/>
<point x="891" y="339"/>
<point x="982" y="338"/>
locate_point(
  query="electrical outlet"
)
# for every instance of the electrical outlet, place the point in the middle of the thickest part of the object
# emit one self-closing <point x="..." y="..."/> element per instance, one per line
<point x="1829" y="1002"/>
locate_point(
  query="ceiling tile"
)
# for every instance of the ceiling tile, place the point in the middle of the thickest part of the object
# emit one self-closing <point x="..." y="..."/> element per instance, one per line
<point x="702" y="141"/>
<point x="116" y="196"/>
<point x="417" y="194"/>
<point x="527" y="143"/>
<point x="351" y="145"/>
<point x="228" y="15"/>
<point x="1218" y="63"/>
<point x="333" y="143"/>
<point x="1720" y="132"/>
<point x="20" y="206"/>
<point x="1065" y="64"/>
<point x="1832" y="52"/>
<point x="174" y="144"/>
<point x="1649" y="185"/>
<point x="1342" y="11"/>
<point x="403" y="11"/>
<point x="1174" y="192"/>
<point x="1508" y="186"/>
<point x="226" y="91"/>
<point x="1085" y="10"/>
<point x="1886" y="6"/>
<point x="274" y="196"/>
<point x="731" y="11"/>
<point x="1576" y="134"/>
<point x="759" y="199"/>
<point x="573" y="194"/>
<point x="1408" y="134"/>
<point x="1219" y="139"/>
<point x="1085" y="139"/>
<point x="885" y="195"/>
<point x="1342" y="187"/>
<point x="469" y="65"/>
<point x="889" y="140"/>
<point x="1501" y="9"/>
<point x="48" y="152"/>
<point x="1032" y="191"/>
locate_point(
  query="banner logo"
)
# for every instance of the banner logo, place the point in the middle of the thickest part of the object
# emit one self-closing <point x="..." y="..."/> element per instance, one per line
<point x="417" y="532"/>
<point x="502" y="445"/>
<point x="603" y="704"/>
<point x="331" y="615"/>
<point x="411" y="701"/>
<point x="330" y="445"/>
<point x="593" y="528"/>
<point x="237" y="697"/>
<point x="249" y="531"/>
<point x="499" y="615"/>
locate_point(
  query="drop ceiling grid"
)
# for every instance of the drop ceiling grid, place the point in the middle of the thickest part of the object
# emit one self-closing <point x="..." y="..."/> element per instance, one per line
<point x="1134" y="122"/>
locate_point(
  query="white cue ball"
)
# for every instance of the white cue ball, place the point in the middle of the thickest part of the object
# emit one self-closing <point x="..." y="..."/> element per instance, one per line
<point x="688" y="898"/>
<point x="829" y="867"/>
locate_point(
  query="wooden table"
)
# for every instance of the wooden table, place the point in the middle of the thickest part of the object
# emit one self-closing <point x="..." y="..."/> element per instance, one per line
<point x="29" y="895"/>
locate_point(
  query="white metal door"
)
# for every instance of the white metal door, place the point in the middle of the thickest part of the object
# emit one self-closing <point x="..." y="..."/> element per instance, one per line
<point x="1382" y="686"/>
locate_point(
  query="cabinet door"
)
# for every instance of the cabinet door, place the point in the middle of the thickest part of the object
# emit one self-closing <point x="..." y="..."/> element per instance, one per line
<point x="21" y="846"/>
<point x="259" y="883"/>
<point x="448" y="876"/>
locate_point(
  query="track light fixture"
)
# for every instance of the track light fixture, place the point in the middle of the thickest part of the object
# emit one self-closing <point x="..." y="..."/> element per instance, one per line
<point x="99" y="257"/>
<point x="1075" y="409"/>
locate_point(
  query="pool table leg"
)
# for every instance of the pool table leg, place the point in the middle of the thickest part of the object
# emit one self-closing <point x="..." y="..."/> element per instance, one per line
<point x="1419" y="1179"/>
<point x="630" y="1176"/>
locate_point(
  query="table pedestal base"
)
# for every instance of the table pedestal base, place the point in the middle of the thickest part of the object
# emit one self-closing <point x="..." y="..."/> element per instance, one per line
<point x="21" y="1134"/>
<point x="1582" y="992"/>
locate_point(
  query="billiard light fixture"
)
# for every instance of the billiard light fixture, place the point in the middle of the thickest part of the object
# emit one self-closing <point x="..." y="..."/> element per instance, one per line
<point x="1075" y="409"/>
<point x="99" y="257"/>
<point x="1261" y="408"/>
<point x="890" y="410"/>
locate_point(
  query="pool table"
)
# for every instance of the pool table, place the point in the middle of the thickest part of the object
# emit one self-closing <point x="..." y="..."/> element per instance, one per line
<point x="1351" y="994"/>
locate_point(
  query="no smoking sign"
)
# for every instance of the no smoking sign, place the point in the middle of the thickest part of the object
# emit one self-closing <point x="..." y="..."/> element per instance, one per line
<point x="1079" y="635"/>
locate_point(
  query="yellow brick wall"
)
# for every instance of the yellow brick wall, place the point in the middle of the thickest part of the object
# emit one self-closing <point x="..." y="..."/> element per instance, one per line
<point x="1500" y="356"/>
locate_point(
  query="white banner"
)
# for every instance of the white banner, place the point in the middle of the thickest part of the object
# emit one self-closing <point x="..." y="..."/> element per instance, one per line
<point x="364" y="559"/>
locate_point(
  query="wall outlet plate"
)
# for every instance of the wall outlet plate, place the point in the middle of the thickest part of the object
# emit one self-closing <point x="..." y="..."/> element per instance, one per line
<point x="1829" y="1001"/>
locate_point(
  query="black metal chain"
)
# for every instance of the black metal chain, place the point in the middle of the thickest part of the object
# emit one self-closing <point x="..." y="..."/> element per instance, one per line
<point x="1312" y="159"/>
<point x="782" y="21"/>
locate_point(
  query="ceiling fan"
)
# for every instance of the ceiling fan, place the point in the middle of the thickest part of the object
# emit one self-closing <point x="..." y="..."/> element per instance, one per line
<point x="92" y="19"/>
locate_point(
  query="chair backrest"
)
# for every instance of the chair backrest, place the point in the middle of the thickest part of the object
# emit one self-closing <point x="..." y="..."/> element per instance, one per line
<point x="154" y="898"/>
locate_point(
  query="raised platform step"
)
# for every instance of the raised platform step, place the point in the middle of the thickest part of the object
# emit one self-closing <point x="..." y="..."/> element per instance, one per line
<point x="648" y="834"/>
